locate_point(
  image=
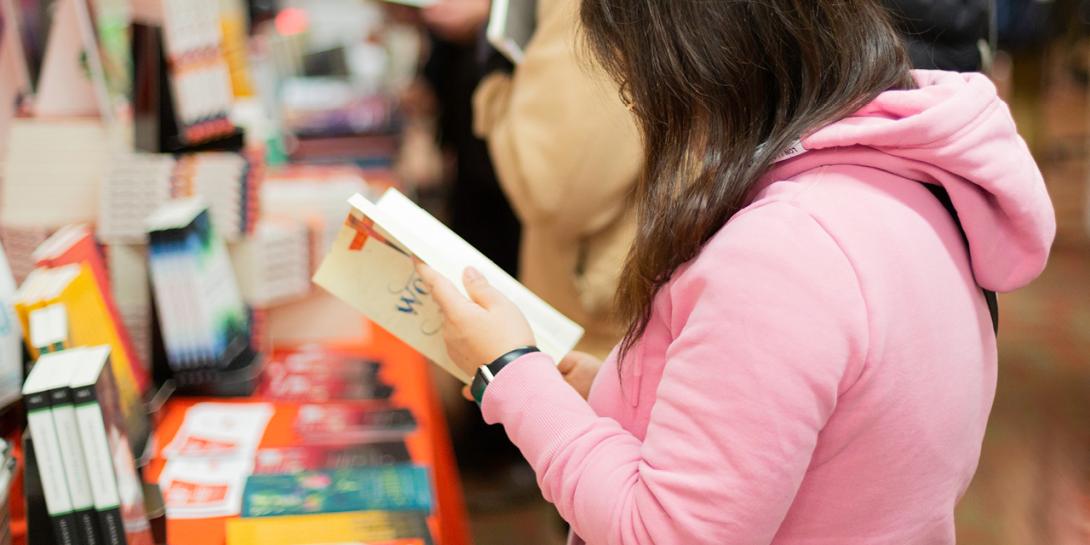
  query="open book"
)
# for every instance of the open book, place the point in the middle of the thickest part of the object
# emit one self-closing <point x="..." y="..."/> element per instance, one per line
<point x="372" y="267"/>
<point x="511" y="24"/>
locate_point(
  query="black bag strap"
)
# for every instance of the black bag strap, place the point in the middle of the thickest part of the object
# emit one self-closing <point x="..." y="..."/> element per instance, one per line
<point x="989" y="296"/>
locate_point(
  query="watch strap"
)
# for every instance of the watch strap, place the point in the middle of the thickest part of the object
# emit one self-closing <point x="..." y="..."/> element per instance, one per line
<point x="487" y="373"/>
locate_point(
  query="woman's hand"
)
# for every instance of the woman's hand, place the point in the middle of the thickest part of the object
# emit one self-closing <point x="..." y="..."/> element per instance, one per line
<point x="479" y="329"/>
<point x="579" y="369"/>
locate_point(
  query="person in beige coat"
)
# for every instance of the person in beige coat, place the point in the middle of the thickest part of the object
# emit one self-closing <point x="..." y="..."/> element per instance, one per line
<point x="567" y="154"/>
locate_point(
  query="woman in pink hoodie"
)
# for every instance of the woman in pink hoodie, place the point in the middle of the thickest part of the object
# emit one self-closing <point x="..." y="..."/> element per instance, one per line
<point x="811" y="359"/>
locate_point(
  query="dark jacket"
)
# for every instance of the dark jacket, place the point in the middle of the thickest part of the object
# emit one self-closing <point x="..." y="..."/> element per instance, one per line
<point x="943" y="34"/>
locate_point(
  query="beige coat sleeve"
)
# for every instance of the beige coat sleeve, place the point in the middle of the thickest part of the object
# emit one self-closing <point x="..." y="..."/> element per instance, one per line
<point x="565" y="149"/>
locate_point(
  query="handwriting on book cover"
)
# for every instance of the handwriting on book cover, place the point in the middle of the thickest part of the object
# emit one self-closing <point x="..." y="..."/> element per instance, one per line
<point x="411" y="297"/>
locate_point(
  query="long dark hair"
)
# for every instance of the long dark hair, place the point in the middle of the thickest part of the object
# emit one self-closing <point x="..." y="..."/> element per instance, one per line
<point x="719" y="88"/>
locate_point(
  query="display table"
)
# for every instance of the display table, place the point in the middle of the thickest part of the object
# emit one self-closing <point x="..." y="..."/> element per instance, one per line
<point x="429" y="446"/>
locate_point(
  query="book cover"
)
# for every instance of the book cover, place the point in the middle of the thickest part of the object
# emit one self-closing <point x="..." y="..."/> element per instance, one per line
<point x="90" y="324"/>
<point x="387" y="488"/>
<point x="371" y="527"/>
<point x="339" y="424"/>
<point x="115" y="485"/>
<point x="372" y="268"/>
<point x="313" y="458"/>
<point x="41" y="384"/>
<point x="75" y="244"/>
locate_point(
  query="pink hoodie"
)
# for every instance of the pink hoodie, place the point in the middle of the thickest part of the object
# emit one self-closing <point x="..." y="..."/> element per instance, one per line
<point x="822" y="372"/>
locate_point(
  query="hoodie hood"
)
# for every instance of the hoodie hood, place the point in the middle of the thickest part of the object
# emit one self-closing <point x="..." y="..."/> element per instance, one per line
<point x="954" y="131"/>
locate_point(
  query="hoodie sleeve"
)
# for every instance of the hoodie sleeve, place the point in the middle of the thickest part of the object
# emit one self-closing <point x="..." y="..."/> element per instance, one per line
<point x="768" y="325"/>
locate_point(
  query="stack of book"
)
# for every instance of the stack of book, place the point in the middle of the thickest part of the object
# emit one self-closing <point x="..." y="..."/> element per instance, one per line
<point x="313" y="195"/>
<point x="138" y="184"/>
<point x="75" y="244"/>
<point x="337" y="468"/>
<point x="201" y="313"/>
<point x="78" y="449"/>
<point x="200" y="78"/>
<point x="223" y="180"/>
<point x="90" y="322"/>
<point x="273" y="264"/>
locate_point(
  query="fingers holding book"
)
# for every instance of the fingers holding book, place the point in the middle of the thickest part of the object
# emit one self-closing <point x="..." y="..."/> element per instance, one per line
<point x="481" y="328"/>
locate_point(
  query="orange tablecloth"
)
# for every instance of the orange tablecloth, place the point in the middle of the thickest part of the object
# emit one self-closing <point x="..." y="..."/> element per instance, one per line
<point x="408" y="373"/>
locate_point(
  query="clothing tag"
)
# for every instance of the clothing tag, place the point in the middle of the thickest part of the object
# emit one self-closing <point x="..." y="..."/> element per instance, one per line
<point x="794" y="150"/>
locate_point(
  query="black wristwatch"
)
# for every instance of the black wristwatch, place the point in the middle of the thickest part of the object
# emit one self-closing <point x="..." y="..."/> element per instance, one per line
<point x="487" y="373"/>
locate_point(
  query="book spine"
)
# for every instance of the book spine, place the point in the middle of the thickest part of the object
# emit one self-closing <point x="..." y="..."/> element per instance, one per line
<point x="50" y="468"/>
<point x="96" y="452"/>
<point x="75" y="468"/>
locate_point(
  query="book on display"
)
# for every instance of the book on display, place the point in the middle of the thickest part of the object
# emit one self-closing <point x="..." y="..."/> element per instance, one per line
<point x="201" y="313"/>
<point x="90" y="323"/>
<point x="45" y="381"/>
<point x="116" y="487"/>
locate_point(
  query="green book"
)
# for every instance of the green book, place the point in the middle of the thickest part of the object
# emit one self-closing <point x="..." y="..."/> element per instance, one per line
<point x="388" y="488"/>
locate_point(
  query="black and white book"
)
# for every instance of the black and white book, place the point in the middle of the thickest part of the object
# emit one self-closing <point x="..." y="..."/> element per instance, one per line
<point x="68" y="439"/>
<point x="43" y="385"/>
<point x="115" y="486"/>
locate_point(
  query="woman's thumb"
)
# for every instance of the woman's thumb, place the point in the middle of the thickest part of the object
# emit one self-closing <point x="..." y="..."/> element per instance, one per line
<point x="479" y="290"/>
